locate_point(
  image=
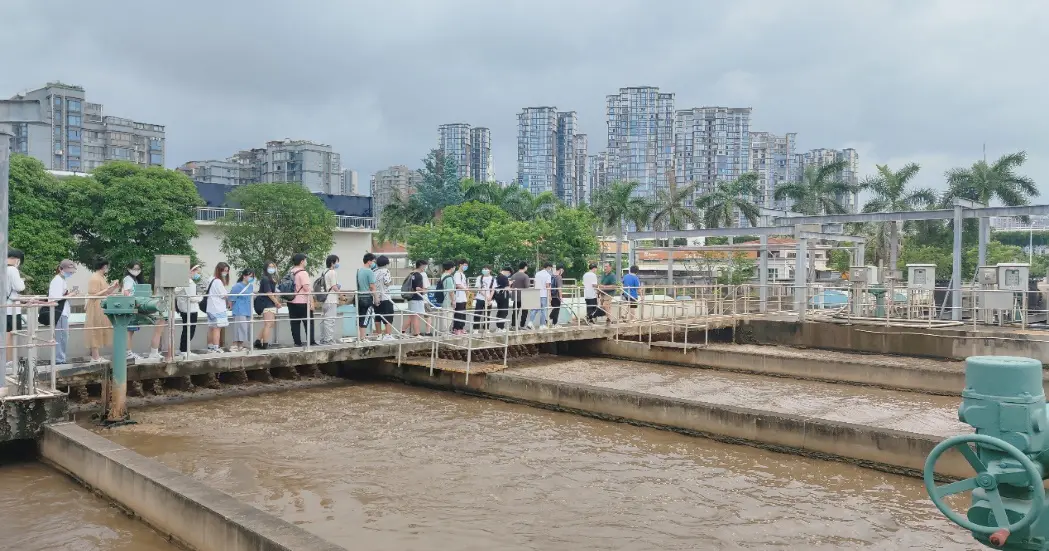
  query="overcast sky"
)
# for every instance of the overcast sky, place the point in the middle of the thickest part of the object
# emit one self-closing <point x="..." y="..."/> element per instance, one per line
<point x="900" y="81"/>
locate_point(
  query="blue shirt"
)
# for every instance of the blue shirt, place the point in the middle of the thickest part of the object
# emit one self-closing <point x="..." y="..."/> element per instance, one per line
<point x="631" y="285"/>
<point x="240" y="296"/>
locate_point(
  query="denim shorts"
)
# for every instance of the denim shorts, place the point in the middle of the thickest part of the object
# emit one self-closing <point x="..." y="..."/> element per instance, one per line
<point x="219" y="320"/>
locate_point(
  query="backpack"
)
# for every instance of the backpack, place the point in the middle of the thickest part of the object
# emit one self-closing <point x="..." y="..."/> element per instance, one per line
<point x="406" y="287"/>
<point x="320" y="292"/>
<point x="441" y="294"/>
<point x="287" y="285"/>
<point x="204" y="303"/>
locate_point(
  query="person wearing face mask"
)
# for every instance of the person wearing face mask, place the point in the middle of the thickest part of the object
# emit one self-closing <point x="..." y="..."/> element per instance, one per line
<point x="483" y="298"/>
<point x="187" y="302"/>
<point x="330" y="306"/>
<point x="60" y="293"/>
<point x="299" y="306"/>
<point x="502" y="297"/>
<point x="132" y="277"/>
<point x="218" y="315"/>
<point x="240" y="297"/>
<point x="97" y="326"/>
<point x="15" y="285"/>
<point x="459" y="279"/>
<point x="267" y="302"/>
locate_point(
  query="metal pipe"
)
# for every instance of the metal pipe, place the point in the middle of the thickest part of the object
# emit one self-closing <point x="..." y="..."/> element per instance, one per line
<point x="5" y="160"/>
<point x="763" y="274"/>
<point x="800" y="271"/>
<point x="985" y="228"/>
<point x="956" y="267"/>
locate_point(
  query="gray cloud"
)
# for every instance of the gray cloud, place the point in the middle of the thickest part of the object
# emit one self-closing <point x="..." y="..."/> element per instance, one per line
<point x="899" y="80"/>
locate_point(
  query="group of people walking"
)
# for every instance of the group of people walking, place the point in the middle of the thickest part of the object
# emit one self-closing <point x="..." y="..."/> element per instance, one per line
<point x="483" y="302"/>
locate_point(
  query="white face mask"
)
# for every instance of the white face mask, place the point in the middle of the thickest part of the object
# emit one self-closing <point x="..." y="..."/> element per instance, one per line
<point x="134" y="272"/>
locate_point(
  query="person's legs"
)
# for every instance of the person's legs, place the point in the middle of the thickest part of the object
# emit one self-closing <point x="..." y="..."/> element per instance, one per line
<point x="328" y="319"/>
<point x="296" y="313"/>
<point x="591" y="309"/>
<point x="183" y="343"/>
<point x="478" y="315"/>
<point x="460" y="316"/>
<point x="310" y="315"/>
<point x="502" y="303"/>
<point x="269" y="324"/>
<point x="61" y="339"/>
<point x="555" y="310"/>
<point x="363" y="305"/>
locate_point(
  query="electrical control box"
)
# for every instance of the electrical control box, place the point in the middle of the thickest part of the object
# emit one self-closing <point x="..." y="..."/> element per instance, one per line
<point x="171" y="271"/>
<point x="987" y="275"/>
<point x="858" y="274"/>
<point x="1013" y="276"/>
<point x="921" y="276"/>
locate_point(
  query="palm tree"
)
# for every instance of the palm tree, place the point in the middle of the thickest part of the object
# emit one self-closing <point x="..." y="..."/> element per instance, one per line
<point x="818" y="190"/>
<point x="671" y="210"/>
<point x="530" y="207"/>
<point x="891" y="194"/>
<point x="721" y="203"/>
<point x="492" y="193"/>
<point x="983" y="182"/>
<point x="615" y="205"/>
<point x="398" y="217"/>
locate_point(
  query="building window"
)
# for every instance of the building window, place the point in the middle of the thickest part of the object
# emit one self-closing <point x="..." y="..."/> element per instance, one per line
<point x="74" y="165"/>
<point x="74" y="134"/>
<point x="58" y="148"/>
<point x="74" y="151"/>
<point x="73" y="105"/>
<point x="56" y="164"/>
<point x="58" y="101"/>
<point x="73" y="120"/>
<point x="154" y="144"/>
<point x="156" y="159"/>
<point x="57" y="132"/>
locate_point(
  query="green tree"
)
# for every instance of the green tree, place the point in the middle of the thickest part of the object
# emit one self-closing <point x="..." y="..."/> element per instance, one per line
<point x="38" y="224"/>
<point x="440" y="186"/>
<point x="672" y="210"/>
<point x="277" y="221"/>
<point x="891" y="194"/>
<point x="738" y="270"/>
<point x="984" y="182"/>
<point x="399" y="216"/>
<point x="839" y="260"/>
<point x="818" y="191"/>
<point x="568" y="238"/>
<point x="615" y="205"/>
<point x="727" y="197"/>
<point x="136" y="213"/>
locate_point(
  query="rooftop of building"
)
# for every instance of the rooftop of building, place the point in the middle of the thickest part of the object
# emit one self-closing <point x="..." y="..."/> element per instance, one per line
<point x="215" y="195"/>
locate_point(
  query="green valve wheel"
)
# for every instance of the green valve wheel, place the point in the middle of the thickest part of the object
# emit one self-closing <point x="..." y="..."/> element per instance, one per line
<point x="988" y="481"/>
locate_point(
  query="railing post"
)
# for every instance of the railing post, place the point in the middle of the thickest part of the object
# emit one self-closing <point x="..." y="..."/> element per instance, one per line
<point x="5" y="157"/>
<point x="763" y="274"/>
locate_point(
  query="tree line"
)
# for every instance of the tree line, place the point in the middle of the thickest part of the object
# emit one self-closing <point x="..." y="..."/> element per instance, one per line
<point x="125" y="213"/>
<point x="820" y="190"/>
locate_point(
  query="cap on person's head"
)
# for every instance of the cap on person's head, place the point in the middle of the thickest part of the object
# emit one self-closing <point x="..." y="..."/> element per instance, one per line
<point x="67" y="265"/>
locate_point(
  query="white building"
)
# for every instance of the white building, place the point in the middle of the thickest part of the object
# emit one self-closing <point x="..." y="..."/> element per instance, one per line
<point x="311" y="164"/>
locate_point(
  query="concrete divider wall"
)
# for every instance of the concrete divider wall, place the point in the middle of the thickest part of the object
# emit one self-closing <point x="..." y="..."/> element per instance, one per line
<point x="945" y="343"/>
<point x="882" y="449"/>
<point x="856" y="370"/>
<point x="187" y="511"/>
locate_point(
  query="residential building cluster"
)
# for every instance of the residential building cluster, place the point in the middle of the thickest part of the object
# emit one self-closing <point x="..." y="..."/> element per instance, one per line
<point x="59" y="127"/>
<point x="649" y="140"/>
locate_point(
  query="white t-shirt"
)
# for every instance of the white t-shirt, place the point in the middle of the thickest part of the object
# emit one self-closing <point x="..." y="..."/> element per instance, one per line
<point x="57" y="291"/>
<point x="15" y="285"/>
<point x="191" y="304"/>
<point x="331" y="279"/>
<point x="589" y="285"/>
<point x="542" y="282"/>
<point x="459" y="279"/>
<point x="216" y="297"/>
<point x="486" y="283"/>
<point x="129" y="284"/>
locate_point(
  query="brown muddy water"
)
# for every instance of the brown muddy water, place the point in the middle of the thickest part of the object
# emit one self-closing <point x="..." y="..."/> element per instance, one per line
<point x="391" y="467"/>
<point x="42" y="510"/>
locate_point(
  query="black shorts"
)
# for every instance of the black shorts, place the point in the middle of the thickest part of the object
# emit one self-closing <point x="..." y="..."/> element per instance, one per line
<point x="18" y="322"/>
<point x="384" y="312"/>
<point x="630" y="300"/>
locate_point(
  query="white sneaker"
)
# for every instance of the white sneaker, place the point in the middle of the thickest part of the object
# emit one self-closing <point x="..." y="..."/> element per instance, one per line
<point x="151" y="358"/>
<point x="389" y="338"/>
<point x="234" y="349"/>
<point x="98" y="360"/>
<point x="529" y="325"/>
<point x="188" y="355"/>
<point x="542" y="328"/>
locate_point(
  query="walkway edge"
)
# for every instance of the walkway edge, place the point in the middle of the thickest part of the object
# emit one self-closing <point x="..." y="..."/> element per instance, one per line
<point x="189" y="512"/>
<point x="872" y="447"/>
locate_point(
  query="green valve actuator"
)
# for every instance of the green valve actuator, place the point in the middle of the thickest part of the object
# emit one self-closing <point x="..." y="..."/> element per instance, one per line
<point x="139" y="308"/>
<point x="1004" y="401"/>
